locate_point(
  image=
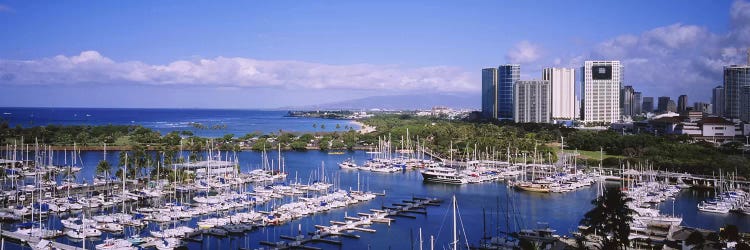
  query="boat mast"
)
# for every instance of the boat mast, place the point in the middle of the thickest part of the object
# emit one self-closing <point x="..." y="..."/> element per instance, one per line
<point x="125" y="170"/>
<point x="455" y="233"/>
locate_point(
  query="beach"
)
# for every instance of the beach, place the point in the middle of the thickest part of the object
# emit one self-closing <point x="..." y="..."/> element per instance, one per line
<point x="363" y="128"/>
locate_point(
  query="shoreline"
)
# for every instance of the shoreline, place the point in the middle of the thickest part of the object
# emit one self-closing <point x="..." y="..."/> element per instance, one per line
<point x="155" y="148"/>
<point x="363" y="128"/>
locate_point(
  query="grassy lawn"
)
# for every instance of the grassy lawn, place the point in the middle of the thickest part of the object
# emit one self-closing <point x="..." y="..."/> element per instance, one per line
<point x="584" y="154"/>
<point x="593" y="154"/>
<point x="123" y="141"/>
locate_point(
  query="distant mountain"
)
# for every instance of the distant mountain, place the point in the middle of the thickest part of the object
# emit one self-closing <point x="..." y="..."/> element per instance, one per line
<point x="401" y="102"/>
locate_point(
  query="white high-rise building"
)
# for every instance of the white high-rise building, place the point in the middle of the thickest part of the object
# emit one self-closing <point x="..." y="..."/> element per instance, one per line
<point x="562" y="81"/>
<point x="602" y="81"/>
<point x="531" y="101"/>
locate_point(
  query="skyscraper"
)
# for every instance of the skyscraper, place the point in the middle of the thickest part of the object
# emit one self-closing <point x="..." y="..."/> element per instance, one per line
<point x="682" y="103"/>
<point x="627" y="96"/>
<point x="735" y="79"/>
<point x="562" y="81"/>
<point x="648" y="104"/>
<point x="662" y="104"/>
<point x="671" y="106"/>
<point x="489" y="93"/>
<point x="745" y="103"/>
<point x="507" y="75"/>
<point x="702" y="107"/>
<point x="637" y="110"/>
<point x="602" y="81"/>
<point x="532" y="101"/>
<point x="717" y="101"/>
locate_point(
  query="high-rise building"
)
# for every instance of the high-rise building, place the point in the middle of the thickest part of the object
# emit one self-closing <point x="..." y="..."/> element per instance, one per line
<point x="637" y="110"/>
<point x="682" y="103"/>
<point x="648" y="104"/>
<point x="671" y="106"/>
<point x="602" y="81"/>
<point x="745" y="103"/>
<point x="562" y="81"/>
<point x="507" y="75"/>
<point x="717" y="101"/>
<point x="532" y="101"/>
<point x="661" y="106"/>
<point x="489" y="93"/>
<point x="735" y="79"/>
<point x="627" y="99"/>
<point x="702" y="107"/>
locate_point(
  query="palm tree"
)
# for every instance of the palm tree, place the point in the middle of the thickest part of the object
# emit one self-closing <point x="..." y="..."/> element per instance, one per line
<point x="103" y="167"/>
<point x="696" y="240"/>
<point x="609" y="219"/>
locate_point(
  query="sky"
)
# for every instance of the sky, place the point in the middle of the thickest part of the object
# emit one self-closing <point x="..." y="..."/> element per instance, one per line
<point x="268" y="54"/>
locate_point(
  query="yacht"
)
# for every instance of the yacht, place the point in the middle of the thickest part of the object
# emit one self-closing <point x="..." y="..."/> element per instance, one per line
<point x="443" y="175"/>
<point x="543" y="234"/>
<point x="535" y="186"/>
<point x="348" y="164"/>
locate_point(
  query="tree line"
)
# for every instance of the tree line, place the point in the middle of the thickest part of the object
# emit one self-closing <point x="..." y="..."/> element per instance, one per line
<point x="678" y="153"/>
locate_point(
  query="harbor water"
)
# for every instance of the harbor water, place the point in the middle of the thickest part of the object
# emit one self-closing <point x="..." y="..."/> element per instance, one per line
<point x="484" y="209"/>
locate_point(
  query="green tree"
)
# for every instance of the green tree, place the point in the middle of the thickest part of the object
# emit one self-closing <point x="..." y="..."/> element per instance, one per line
<point x="609" y="219"/>
<point x="525" y="244"/>
<point x="696" y="240"/>
<point x="324" y="142"/>
<point x="306" y="138"/>
<point x="103" y="168"/>
<point x="299" y="145"/>
<point x="228" y="138"/>
<point x="172" y="139"/>
<point x="730" y="233"/>
<point x="262" y="144"/>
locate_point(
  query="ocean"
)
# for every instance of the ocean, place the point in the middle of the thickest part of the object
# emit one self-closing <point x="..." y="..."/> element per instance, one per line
<point x="228" y="121"/>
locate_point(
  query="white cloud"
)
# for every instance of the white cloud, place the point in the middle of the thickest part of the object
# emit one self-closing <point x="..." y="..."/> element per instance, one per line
<point x="739" y="21"/>
<point x="235" y="72"/>
<point x="523" y="52"/>
<point x="678" y="58"/>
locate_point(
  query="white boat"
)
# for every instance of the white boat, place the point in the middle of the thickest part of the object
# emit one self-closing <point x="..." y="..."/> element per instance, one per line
<point x="110" y="227"/>
<point x="167" y="243"/>
<point x="348" y="164"/>
<point x="85" y="233"/>
<point x="75" y="223"/>
<point x="443" y="175"/>
<point x="714" y="208"/>
<point x="115" y="244"/>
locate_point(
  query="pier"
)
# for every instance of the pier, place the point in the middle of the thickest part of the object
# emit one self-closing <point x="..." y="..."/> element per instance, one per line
<point x="698" y="181"/>
<point x="36" y="241"/>
<point x="360" y="223"/>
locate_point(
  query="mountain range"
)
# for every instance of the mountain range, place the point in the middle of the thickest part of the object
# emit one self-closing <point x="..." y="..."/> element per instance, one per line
<point x="399" y="102"/>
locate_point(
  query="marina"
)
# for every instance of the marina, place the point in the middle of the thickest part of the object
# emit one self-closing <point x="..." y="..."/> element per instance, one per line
<point x="140" y="125"/>
<point x="278" y="199"/>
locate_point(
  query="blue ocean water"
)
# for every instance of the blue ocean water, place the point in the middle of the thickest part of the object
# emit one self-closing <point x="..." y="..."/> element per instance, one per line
<point x="483" y="208"/>
<point x="237" y="122"/>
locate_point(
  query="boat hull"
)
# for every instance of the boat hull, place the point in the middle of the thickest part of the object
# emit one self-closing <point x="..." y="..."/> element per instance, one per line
<point x="442" y="179"/>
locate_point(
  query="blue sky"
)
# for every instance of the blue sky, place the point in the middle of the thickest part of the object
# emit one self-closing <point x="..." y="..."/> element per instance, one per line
<point x="251" y="54"/>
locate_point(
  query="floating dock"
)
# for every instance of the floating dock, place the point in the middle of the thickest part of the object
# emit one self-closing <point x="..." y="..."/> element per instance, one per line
<point x="360" y="223"/>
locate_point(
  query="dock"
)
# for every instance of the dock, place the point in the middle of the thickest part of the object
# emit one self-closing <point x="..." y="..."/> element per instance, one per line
<point x="36" y="241"/>
<point x="360" y="224"/>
